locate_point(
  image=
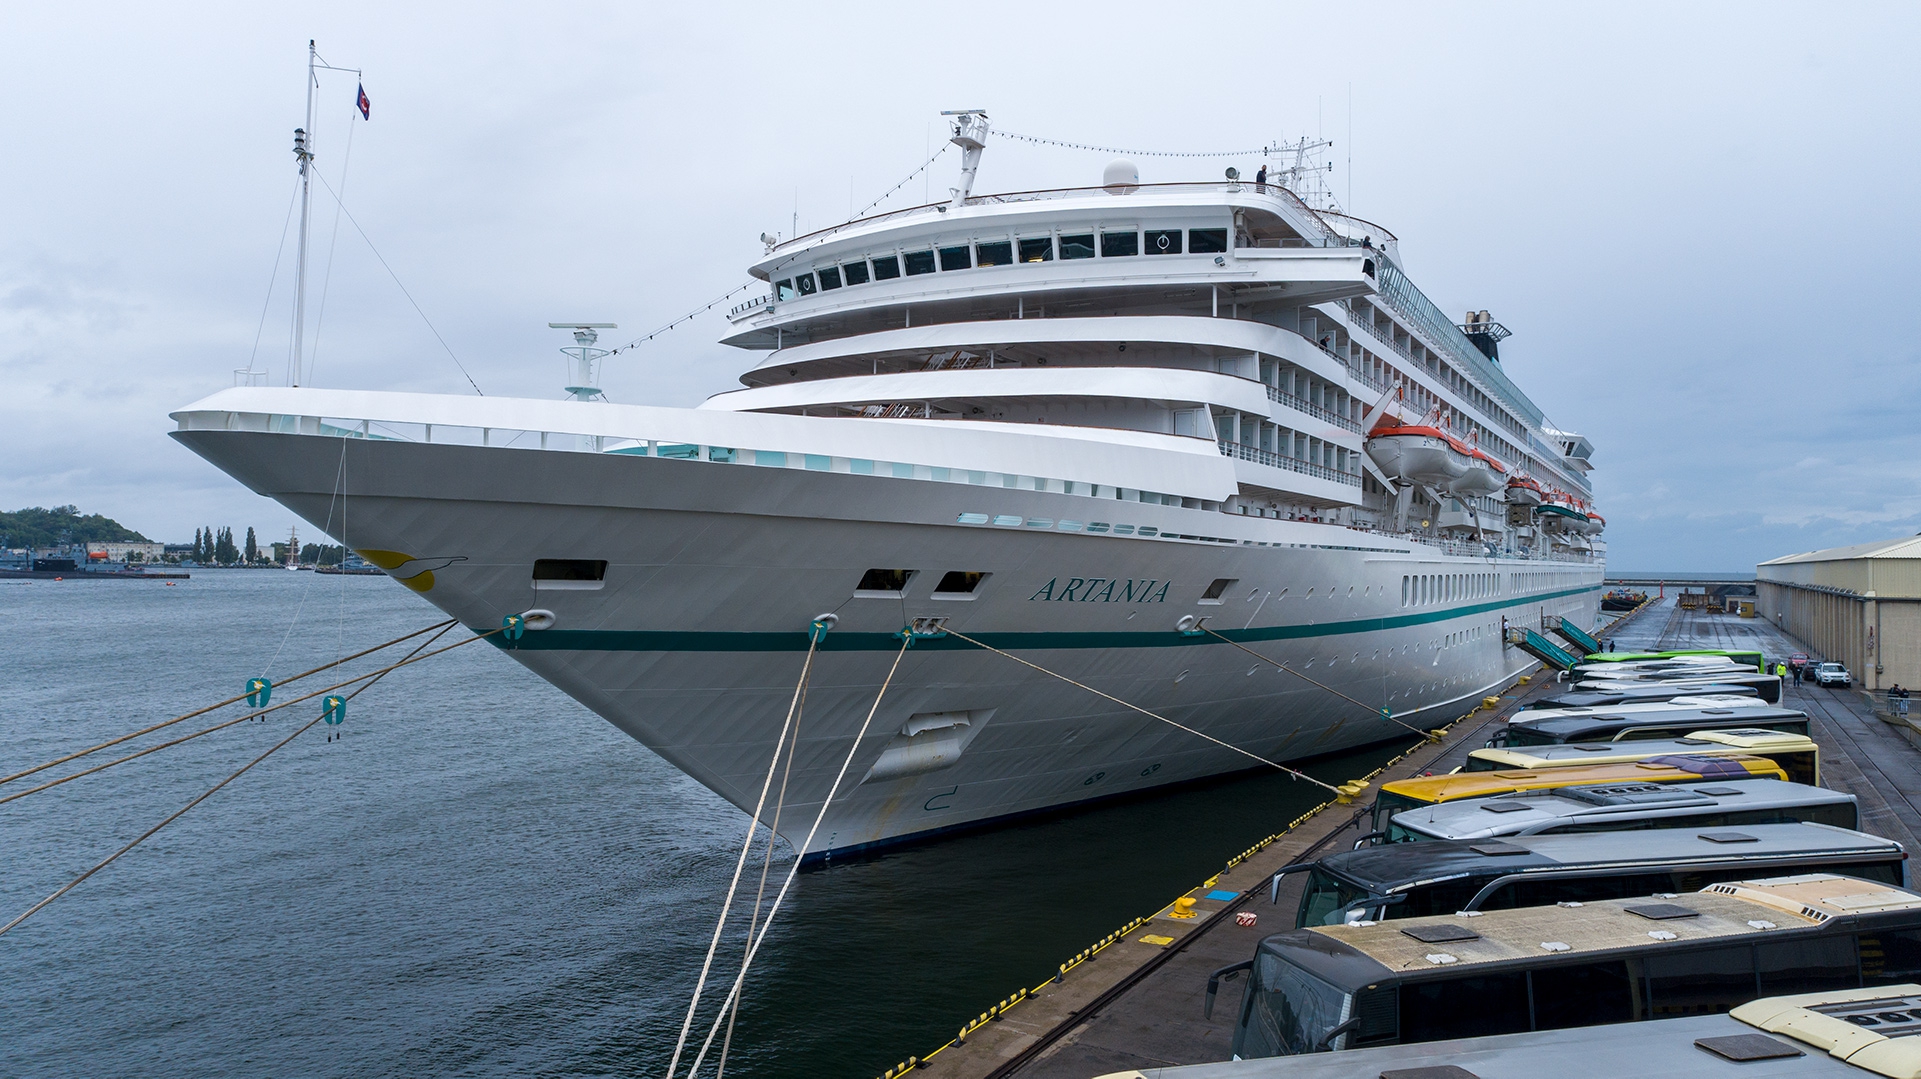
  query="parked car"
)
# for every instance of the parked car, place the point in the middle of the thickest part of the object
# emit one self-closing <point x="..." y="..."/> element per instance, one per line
<point x="1833" y="674"/>
<point x="1797" y="661"/>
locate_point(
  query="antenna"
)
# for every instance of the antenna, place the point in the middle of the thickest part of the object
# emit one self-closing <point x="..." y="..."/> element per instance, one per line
<point x="303" y="155"/>
<point x="970" y="134"/>
<point x="584" y="355"/>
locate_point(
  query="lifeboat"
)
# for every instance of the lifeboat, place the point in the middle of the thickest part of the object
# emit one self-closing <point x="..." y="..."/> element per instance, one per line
<point x="1428" y="456"/>
<point x="1596" y="523"/>
<point x="1522" y="491"/>
<point x="1559" y="516"/>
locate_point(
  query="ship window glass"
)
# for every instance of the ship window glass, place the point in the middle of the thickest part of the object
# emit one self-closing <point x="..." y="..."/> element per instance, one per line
<point x="805" y="283"/>
<point x="955" y="258"/>
<point x="959" y="583"/>
<point x="918" y="262"/>
<point x="829" y="277"/>
<point x="1206" y="241"/>
<point x="1116" y="245"/>
<point x="891" y="581"/>
<point x="1078" y="246"/>
<point x="886" y="269"/>
<point x="1164" y="242"/>
<point x="784" y="290"/>
<point x="1217" y="589"/>
<point x="856" y="273"/>
<point x="994" y="254"/>
<point x="1037" y="250"/>
<point x="570" y="569"/>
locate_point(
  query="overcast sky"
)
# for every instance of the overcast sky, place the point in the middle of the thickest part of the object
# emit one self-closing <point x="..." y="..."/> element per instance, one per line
<point x="1698" y="220"/>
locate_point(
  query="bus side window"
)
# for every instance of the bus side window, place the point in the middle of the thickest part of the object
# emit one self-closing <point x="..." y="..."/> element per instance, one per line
<point x="1706" y="982"/>
<point x="1582" y="996"/>
<point x="1807" y="966"/>
<point x="1464" y="1007"/>
<point x="1890" y="958"/>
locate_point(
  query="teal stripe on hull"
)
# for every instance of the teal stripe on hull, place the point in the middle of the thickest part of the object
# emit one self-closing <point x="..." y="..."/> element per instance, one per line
<point x="615" y="640"/>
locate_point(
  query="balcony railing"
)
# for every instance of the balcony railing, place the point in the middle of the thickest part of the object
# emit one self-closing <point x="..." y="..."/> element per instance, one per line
<point x="1304" y="405"/>
<point x="1292" y="464"/>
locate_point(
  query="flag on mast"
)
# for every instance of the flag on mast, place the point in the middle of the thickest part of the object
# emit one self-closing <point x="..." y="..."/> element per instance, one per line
<point x="366" y="106"/>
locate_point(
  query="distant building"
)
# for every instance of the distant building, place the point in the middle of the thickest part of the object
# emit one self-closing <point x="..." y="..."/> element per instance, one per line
<point x="125" y="552"/>
<point x="1858" y="605"/>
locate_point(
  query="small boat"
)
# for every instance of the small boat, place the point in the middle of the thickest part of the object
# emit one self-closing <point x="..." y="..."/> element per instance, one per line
<point x="1622" y="599"/>
<point x="1427" y="455"/>
<point x="1523" y="491"/>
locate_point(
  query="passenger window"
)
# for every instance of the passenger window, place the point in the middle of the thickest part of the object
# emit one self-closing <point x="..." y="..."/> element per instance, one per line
<point x="829" y="278"/>
<point x="886" y="269"/>
<point x="1890" y="958"/>
<point x="784" y="290"/>
<point x="1078" y="246"/>
<point x="959" y="583"/>
<point x="1040" y="250"/>
<point x="856" y="273"/>
<point x="954" y="258"/>
<point x="1464" y="1008"/>
<point x="1706" y="982"/>
<point x="805" y="282"/>
<point x="1807" y="966"/>
<point x="1164" y="242"/>
<point x="1206" y="241"/>
<point x="887" y="583"/>
<point x="1217" y="589"/>
<point x="1116" y="245"/>
<point x="995" y="254"/>
<point x="918" y="262"/>
<point x="1583" y="996"/>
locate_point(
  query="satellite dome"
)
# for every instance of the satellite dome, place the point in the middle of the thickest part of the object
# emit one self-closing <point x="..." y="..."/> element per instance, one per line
<point x="1121" y="178"/>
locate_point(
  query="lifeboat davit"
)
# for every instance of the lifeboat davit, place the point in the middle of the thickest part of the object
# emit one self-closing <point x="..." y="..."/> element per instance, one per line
<point x="1428" y="456"/>
<point x="1522" y="491"/>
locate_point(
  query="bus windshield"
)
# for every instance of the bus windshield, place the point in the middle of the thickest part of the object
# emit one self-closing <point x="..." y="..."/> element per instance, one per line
<point x="1289" y="1011"/>
<point x="1388" y="803"/>
<point x="1326" y="897"/>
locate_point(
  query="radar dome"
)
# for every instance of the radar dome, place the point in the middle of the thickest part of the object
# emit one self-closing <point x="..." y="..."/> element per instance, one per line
<point x="1121" y="178"/>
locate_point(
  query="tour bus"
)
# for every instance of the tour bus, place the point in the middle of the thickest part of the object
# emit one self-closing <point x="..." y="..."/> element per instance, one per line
<point x="1547" y="728"/>
<point x="1765" y="686"/>
<point x="1748" y="658"/>
<point x="1474" y="974"/>
<point x="1828" y="1034"/>
<point x="1415" y="880"/>
<point x="1648" y="693"/>
<point x="1404" y="794"/>
<point x="1624" y="807"/>
<point x="1797" y="754"/>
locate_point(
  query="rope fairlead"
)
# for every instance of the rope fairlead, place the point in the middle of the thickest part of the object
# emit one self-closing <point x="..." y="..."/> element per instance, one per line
<point x="259" y="692"/>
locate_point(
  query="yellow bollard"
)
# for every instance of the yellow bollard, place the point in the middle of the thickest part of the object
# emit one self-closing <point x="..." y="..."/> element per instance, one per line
<point x="1490" y="702"/>
<point x="1349" y="790"/>
<point x="1522" y="681"/>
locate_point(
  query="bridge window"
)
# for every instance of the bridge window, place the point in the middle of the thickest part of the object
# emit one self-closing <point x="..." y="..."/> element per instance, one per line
<point x="955" y="258"/>
<point x="1164" y="242"/>
<point x="1078" y="246"/>
<point x="784" y="290"/>
<point x="856" y="273"/>
<point x="829" y="277"/>
<point x="805" y="283"/>
<point x="886" y="269"/>
<point x="1120" y="244"/>
<point x="918" y="262"/>
<point x="1038" y="250"/>
<point x="1206" y="241"/>
<point x="995" y="254"/>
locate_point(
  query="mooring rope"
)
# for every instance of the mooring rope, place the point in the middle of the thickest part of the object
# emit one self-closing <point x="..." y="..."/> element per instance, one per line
<point x="1381" y="712"/>
<point x="907" y="641"/>
<point x="376" y="675"/>
<point x="747" y="845"/>
<point x="216" y="707"/>
<point x="211" y="791"/>
<point x="1145" y="712"/>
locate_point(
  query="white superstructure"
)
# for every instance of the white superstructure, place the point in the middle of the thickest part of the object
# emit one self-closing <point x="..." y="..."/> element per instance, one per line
<point x="1060" y="422"/>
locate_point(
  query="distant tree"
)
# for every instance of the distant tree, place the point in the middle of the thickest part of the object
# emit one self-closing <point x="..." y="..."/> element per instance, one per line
<point x="253" y="546"/>
<point x="318" y="555"/>
<point x="39" y="527"/>
<point x="198" y="549"/>
<point x="224" y="552"/>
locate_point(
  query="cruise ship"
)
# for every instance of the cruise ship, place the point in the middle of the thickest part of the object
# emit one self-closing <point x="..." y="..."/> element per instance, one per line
<point x="1085" y="426"/>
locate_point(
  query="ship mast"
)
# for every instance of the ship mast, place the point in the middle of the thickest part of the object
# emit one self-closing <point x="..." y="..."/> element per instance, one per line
<point x="303" y="155"/>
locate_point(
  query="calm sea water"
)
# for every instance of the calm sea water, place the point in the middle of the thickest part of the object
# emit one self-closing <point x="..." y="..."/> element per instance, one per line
<point x="481" y="877"/>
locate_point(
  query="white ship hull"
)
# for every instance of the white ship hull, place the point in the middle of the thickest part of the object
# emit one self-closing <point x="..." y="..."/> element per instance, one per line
<point x="694" y="642"/>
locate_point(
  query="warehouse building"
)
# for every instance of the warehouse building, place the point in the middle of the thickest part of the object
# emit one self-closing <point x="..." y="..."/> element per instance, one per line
<point x="1858" y="605"/>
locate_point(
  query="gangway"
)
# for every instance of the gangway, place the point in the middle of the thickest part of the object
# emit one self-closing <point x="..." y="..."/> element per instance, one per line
<point x="1541" y="648"/>
<point x="1572" y="633"/>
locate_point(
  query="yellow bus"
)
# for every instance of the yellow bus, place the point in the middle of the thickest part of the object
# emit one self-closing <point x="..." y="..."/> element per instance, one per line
<point x="1405" y="794"/>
